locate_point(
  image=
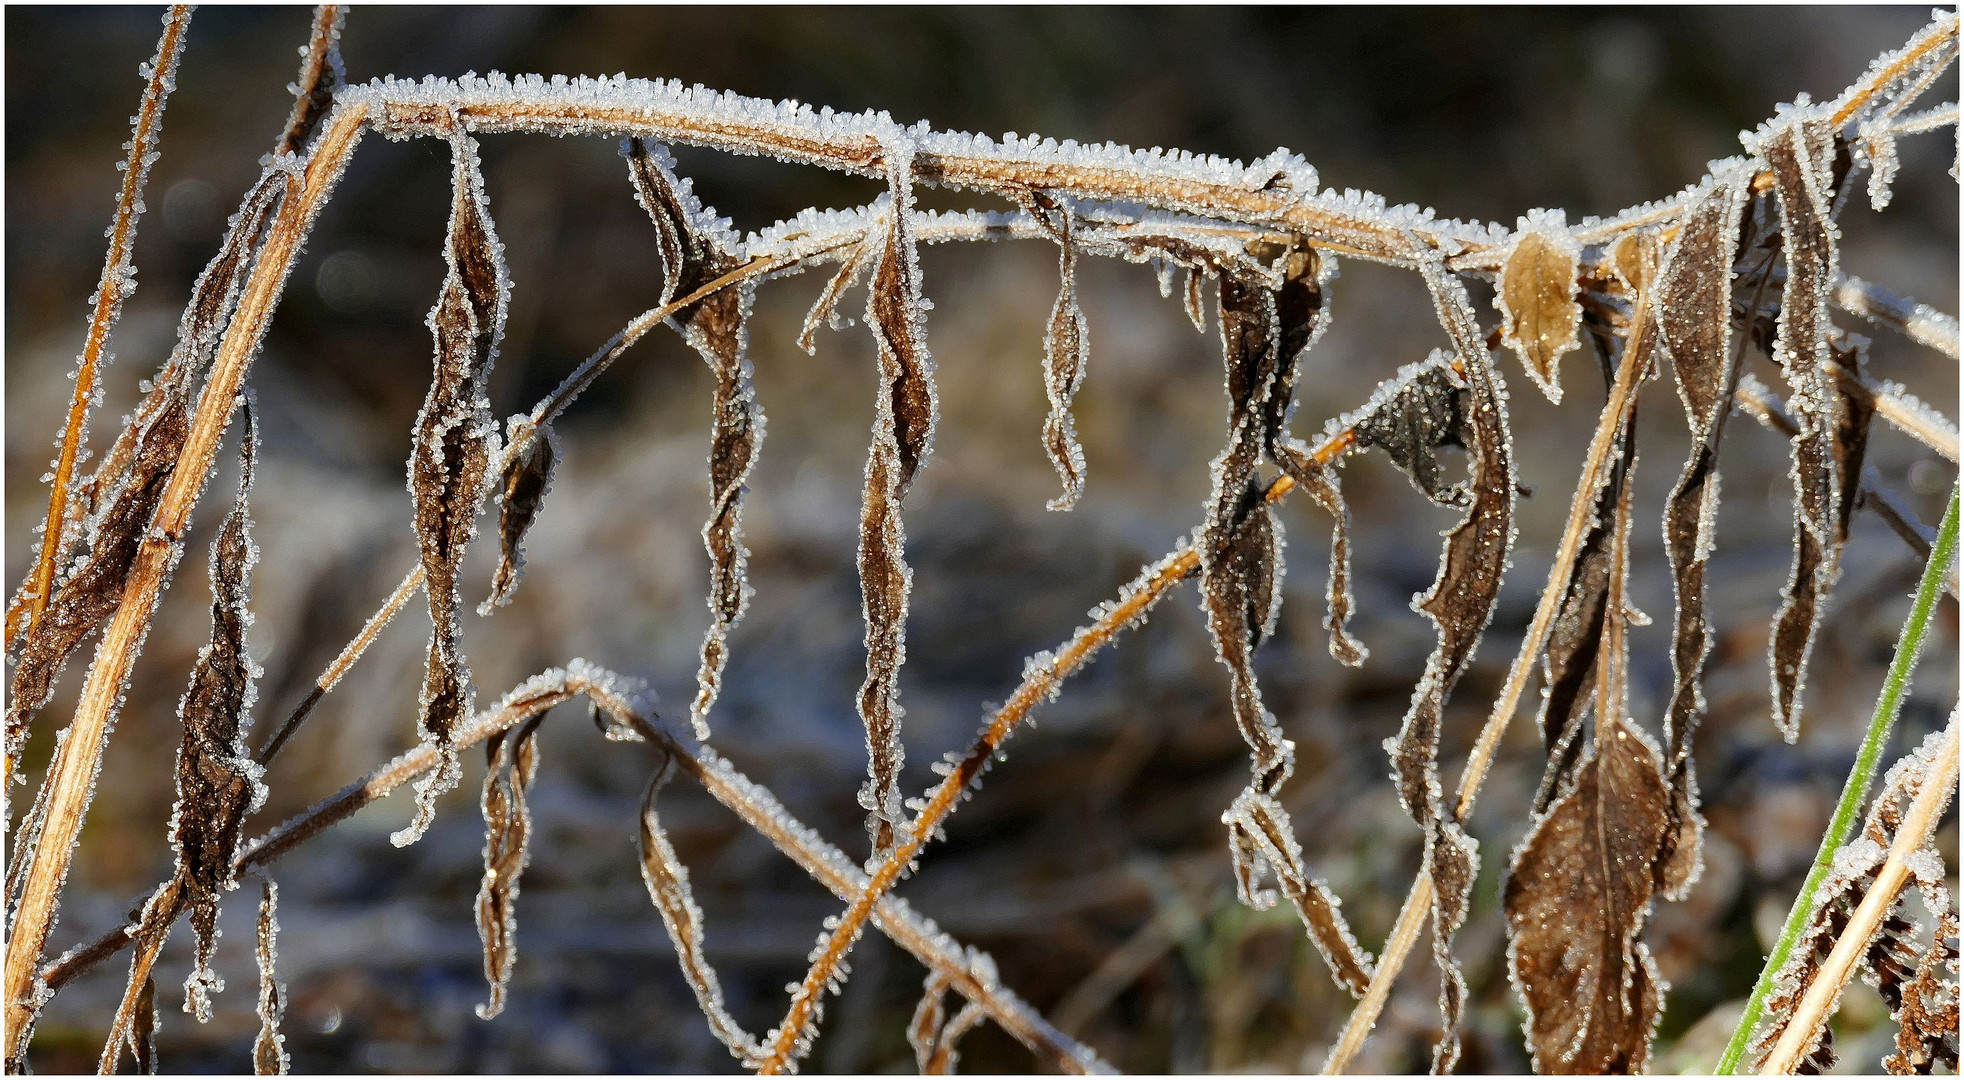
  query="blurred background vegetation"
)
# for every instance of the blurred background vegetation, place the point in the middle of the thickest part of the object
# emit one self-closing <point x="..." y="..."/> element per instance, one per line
<point x="1093" y="864"/>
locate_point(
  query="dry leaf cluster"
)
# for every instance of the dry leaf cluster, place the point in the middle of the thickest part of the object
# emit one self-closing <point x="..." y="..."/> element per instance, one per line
<point x="1675" y="290"/>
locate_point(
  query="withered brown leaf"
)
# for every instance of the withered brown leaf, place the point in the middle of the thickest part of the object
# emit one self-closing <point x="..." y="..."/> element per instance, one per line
<point x="1066" y="349"/>
<point x="1240" y="541"/>
<point x="120" y="498"/>
<point x="903" y="430"/>
<point x="1540" y="315"/>
<point x="1576" y="897"/>
<point x="1420" y="411"/>
<point x="1694" y="311"/>
<point x="511" y="761"/>
<point x="450" y="460"/>
<point x="717" y="327"/>
<point x="1579" y="887"/>
<point x="269" y="1046"/>
<point x="1320" y="482"/>
<point x="218" y="782"/>
<point x="1263" y="841"/>
<point x="1800" y="155"/>
<point x="1460" y="605"/>
<point x="668" y="886"/>
<point x="522" y="494"/>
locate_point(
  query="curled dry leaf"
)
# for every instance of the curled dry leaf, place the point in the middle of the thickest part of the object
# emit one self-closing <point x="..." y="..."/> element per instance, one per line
<point x="120" y="498"/>
<point x="1412" y="417"/>
<point x="668" y="886"/>
<point x="1262" y="842"/>
<point x="511" y="761"/>
<point x="1540" y="314"/>
<point x="694" y="251"/>
<point x="451" y="455"/>
<point x="1800" y="155"/>
<point x="1321" y="484"/>
<point x="269" y="1046"/>
<point x="1694" y="304"/>
<point x="825" y="310"/>
<point x="135" y="1024"/>
<point x="522" y="494"/>
<point x="903" y="430"/>
<point x="717" y="330"/>
<point x="1066" y="349"/>
<point x="1460" y="604"/>
<point x="1240" y="543"/>
<point x="218" y="782"/>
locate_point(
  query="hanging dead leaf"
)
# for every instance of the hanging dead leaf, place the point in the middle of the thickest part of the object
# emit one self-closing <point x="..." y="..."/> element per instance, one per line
<point x="521" y="495"/>
<point x="451" y="455"/>
<point x="511" y="761"/>
<point x="903" y="430"/>
<point x="1539" y="313"/>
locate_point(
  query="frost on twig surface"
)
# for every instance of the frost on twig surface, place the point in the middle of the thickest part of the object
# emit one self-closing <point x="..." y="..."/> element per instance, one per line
<point x="455" y="439"/>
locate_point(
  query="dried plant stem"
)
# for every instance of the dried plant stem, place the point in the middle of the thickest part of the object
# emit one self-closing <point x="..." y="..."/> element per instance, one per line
<point x="750" y="802"/>
<point x="1825" y="991"/>
<point x="111" y="291"/>
<point x="1918" y="322"/>
<point x="320" y="71"/>
<point x="350" y="653"/>
<point x="1410" y="917"/>
<point x="72" y="774"/>
<point x="1867" y="761"/>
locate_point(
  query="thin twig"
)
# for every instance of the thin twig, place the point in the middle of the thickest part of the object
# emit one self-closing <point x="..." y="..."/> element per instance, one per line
<point x="1913" y="319"/>
<point x="1825" y="991"/>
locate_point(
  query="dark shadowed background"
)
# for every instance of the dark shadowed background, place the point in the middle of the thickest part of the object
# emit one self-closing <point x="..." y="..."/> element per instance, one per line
<point x="1093" y="863"/>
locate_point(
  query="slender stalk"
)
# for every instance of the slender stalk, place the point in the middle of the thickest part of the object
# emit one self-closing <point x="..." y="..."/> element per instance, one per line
<point x="1855" y="792"/>
<point x="1818" y="1003"/>
<point x="73" y="772"/>
<point x="115" y="287"/>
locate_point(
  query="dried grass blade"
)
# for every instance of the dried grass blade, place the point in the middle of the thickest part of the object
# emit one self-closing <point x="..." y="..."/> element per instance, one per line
<point x="218" y="782"/>
<point x="1853" y="927"/>
<point x="269" y="1046"/>
<point x="903" y="429"/>
<point x="512" y="760"/>
<point x="455" y="438"/>
<point x="135" y="1023"/>
<point x="117" y="283"/>
<point x="718" y="330"/>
